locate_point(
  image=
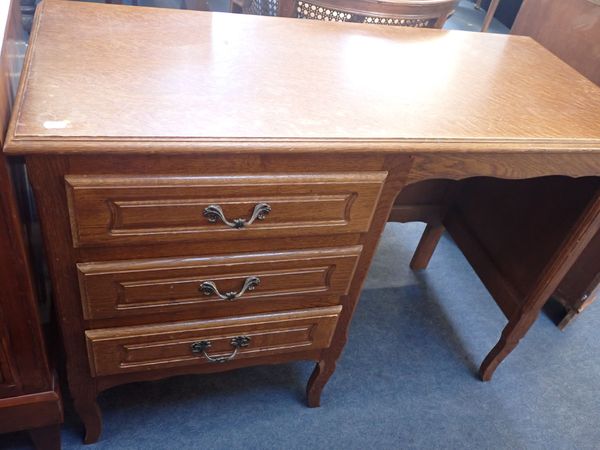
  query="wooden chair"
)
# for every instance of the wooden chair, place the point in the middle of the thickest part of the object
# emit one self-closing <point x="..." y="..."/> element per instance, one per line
<point x="489" y="15"/>
<point x="411" y="13"/>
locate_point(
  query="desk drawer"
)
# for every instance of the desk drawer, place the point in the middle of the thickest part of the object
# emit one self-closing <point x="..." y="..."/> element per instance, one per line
<point x="272" y="281"/>
<point x="132" y="349"/>
<point x="122" y="210"/>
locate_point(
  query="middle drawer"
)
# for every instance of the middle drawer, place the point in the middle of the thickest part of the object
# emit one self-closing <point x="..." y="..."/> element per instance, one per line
<point x="217" y="285"/>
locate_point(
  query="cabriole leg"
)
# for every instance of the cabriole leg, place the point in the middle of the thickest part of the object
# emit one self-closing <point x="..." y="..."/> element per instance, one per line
<point x="511" y="335"/>
<point x="319" y="378"/>
<point x="89" y="412"/>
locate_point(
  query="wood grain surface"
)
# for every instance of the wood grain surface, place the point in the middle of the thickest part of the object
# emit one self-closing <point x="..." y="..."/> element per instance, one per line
<point x="220" y="81"/>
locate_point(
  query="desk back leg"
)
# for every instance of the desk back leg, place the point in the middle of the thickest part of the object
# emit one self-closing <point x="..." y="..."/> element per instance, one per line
<point x="427" y="244"/>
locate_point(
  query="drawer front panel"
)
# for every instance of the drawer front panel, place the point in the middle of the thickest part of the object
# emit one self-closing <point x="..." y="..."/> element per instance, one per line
<point x="121" y="210"/>
<point x="124" y="288"/>
<point x="131" y="349"/>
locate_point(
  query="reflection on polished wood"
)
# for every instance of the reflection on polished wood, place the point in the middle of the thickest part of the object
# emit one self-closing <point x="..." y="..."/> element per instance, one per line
<point x="329" y="137"/>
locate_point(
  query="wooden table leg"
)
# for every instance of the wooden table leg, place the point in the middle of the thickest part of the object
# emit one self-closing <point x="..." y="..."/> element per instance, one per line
<point x="489" y="16"/>
<point x="318" y="379"/>
<point x="427" y="244"/>
<point x="84" y="400"/>
<point x="511" y="335"/>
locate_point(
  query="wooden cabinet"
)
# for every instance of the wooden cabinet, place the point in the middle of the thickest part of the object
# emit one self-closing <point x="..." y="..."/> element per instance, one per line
<point x="29" y="394"/>
<point x="216" y="199"/>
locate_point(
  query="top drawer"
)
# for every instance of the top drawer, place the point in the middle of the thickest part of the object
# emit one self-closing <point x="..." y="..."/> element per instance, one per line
<point x="120" y="210"/>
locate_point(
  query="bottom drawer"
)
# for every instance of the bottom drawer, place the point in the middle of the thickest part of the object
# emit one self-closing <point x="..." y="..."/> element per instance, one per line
<point x="131" y="349"/>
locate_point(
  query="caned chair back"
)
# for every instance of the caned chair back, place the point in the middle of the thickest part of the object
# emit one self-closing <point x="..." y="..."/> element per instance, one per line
<point x="408" y="13"/>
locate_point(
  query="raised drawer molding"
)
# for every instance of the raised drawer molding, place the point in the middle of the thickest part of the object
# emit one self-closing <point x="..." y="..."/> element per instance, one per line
<point x="117" y="210"/>
<point x="130" y="349"/>
<point x="119" y="288"/>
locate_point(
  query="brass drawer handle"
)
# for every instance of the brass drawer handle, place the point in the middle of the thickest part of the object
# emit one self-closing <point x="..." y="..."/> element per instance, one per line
<point x="209" y="288"/>
<point x="215" y="212"/>
<point x="237" y="343"/>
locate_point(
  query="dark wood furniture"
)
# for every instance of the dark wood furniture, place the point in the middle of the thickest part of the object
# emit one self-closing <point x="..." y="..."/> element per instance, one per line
<point x="569" y="29"/>
<point x="29" y="395"/>
<point x="182" y="241"/>
<point x="581" y="286"/>
<point x="409" y="13"/>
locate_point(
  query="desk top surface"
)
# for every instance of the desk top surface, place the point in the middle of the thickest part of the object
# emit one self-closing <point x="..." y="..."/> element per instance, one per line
<point x="167" y="80"/>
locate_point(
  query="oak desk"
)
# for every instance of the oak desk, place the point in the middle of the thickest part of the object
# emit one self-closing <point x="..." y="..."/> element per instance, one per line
<point x="212" y="195"/>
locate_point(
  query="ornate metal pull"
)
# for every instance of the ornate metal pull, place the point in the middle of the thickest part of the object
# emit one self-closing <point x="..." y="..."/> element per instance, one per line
<point x="209" y="288"/>
<point x="237" y="343"/>
<point x="215" y="212"/>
